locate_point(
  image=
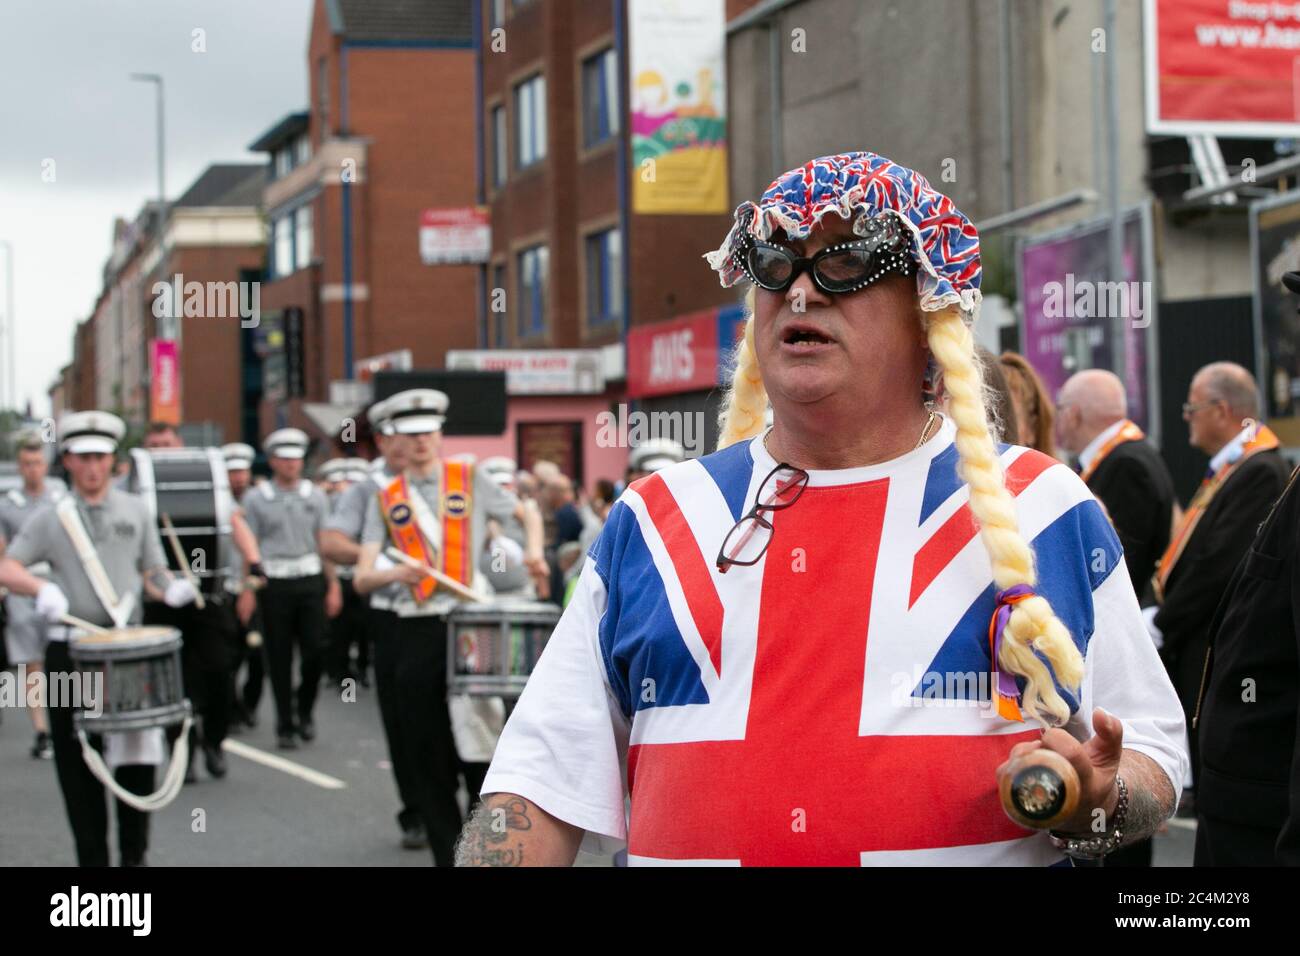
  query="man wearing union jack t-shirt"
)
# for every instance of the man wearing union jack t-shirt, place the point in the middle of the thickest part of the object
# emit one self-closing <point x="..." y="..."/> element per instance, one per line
<point x="821" y="644"/>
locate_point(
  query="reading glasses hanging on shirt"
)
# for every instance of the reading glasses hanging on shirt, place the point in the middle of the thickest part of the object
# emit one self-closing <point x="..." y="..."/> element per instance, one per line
<point x="747" y="541"/>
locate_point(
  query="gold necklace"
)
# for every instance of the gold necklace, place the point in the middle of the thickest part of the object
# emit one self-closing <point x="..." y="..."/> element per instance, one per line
<point x="919" y="442"/>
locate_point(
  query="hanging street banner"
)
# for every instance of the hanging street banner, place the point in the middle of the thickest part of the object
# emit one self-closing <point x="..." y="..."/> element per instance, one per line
<point x="677" y="84"/>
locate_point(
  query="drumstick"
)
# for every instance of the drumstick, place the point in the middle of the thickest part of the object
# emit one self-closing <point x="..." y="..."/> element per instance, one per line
<point x="180" y="560"/>
<point x="451" y="584"/>
<point x="83" y="625"/>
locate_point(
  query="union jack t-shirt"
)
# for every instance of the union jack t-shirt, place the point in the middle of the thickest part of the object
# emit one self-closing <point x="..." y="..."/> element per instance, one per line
<point x="830" y="704"/>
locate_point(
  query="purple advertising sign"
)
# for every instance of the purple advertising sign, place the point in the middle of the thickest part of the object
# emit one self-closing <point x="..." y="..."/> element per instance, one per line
<point x="1070" y="307"/>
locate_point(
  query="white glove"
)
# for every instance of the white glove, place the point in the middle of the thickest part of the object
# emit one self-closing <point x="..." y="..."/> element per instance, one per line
<point x="179" y="593"/>
<point x="1149" y="619"/>
<point x="51" y="603"/>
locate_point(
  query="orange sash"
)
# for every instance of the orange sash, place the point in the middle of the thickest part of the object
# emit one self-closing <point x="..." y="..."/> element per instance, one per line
<point x="395" y="505"/>
<point x="454" y="509"/>
<point x="1264" y="440"/>
<point x="1127" y="432"/>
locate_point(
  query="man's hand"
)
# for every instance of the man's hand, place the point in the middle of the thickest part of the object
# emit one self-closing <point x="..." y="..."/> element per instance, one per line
<point x="179" y="593"/>
<point x="333" y="600"/>
<point x="245" y="605"/>
<point x="51" y="603"/>
<point x="405" y="574"/>
<point x="540" y="572"/>
<point x="1096" y="762"/>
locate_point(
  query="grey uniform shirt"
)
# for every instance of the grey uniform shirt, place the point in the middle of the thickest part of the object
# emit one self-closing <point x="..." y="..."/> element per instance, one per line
<point x="287" y="523"/>
<point x="124" y="537"/>
<point x="490" y="501"/>
<point x="16" y="506"/>
<point x="349" y="517"/>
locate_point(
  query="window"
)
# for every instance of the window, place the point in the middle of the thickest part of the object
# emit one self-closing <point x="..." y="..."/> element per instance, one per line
<point x="500" y="147"/>
<point x="604" y="277"/>
<point x="283" y="161"/>
<point x="530" y="119"/>
<point x="282" y="263"/>
<point x="599" y="98"/>
<point x="301" y="149"/>
<point x="497" y="325"/>
<point x="496" y="13"/>
<point x="530" y="304"/>
<point x="302" y="243"/>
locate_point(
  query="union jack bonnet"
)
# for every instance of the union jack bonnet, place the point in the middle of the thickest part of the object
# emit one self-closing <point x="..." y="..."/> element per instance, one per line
<point x="862" y="186"/>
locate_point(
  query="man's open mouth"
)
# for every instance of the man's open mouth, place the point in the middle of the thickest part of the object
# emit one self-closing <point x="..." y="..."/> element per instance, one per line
<point x="805" y="335"/>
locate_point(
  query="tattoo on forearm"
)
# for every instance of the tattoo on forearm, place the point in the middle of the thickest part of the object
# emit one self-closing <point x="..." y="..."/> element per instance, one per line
<point x="491" y="836"/>
<point x="1151" y="799"/>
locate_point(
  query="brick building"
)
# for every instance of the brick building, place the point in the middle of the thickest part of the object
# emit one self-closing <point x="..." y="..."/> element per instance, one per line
<point x="388" y="135"/>
<point x="579" y="268"/>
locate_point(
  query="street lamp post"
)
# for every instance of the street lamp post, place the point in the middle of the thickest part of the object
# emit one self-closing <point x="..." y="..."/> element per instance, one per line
<point x="155" y="78"/>
<point x="11" y="389"/>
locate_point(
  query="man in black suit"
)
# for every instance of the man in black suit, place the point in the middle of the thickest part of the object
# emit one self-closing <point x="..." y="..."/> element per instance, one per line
<point x="1248" y="794"/>
<point x="1120" y="467"/>
<point x="1245" y="477"/>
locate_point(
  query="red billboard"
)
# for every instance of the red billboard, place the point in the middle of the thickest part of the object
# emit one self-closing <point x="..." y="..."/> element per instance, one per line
<point x="1223" y="67"/>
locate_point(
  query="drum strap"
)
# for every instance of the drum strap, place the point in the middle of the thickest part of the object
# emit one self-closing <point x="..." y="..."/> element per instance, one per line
<point x="70" y="518"/>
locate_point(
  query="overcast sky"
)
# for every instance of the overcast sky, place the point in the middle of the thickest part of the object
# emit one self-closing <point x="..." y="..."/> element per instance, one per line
<point x="65" y="95"/>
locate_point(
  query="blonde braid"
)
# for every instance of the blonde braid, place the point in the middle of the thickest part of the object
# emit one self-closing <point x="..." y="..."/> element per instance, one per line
<point x="744" y="408"/>
<point x="1033" y="625"/>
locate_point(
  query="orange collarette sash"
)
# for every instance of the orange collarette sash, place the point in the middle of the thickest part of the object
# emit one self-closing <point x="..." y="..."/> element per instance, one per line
<point x="455" y="559"/>
<point x="1264" y="440"/>
<point x="454" y="510"/>
<point x="1127" y="432"/>
<point x="395" y="505"/>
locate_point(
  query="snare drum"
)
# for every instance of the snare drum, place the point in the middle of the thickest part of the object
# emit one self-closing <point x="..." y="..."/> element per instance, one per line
<point x="138" y="682"/>
<point x="191" y="487"/>
<point x="493" y="648"/>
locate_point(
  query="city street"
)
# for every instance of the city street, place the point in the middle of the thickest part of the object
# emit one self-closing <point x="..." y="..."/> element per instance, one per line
<point x="328" y="803"/>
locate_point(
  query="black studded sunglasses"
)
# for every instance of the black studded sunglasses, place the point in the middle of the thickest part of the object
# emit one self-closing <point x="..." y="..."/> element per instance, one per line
<point x="838" y="269"/>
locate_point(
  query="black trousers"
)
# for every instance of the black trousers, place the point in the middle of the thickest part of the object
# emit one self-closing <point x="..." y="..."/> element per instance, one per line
<point x="205" y="659"/>
<point x="247" y="697"/>
<point x="83" y="795"/>
<point x="1223" y="843"/>
<point x="350" y="627"/>
<point x="382" y="628"/>
<point x="424" y="726"/>
<point x="293" y="613"/>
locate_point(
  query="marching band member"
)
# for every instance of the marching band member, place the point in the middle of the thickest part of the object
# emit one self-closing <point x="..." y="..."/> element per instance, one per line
<point x="208" y="633"/>
<point x="350" y="624"/>
<point x="287" y="515"/>
<point x="754" y="645"/>
<point x="435" y="512"/>
<point x="102" y="548"/>
<point x="246" y="620"/>
<point x="341" y="543"/>
<point x="25" y="630"/>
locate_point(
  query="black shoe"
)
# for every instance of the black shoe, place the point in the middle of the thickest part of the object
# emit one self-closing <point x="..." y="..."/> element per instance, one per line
<point x="414" y="837"/>
<point x="215" y="760"/>
<point x="286" y="741"/>
<point x="42" y="749"/>
<point x="307" y="730"/>
<point x="136" y="861"/>
<point x="364" y="679"/>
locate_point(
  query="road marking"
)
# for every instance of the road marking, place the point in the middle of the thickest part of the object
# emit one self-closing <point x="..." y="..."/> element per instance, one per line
<point x="1181" y="823"/>
<point x="280" y="763"/>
